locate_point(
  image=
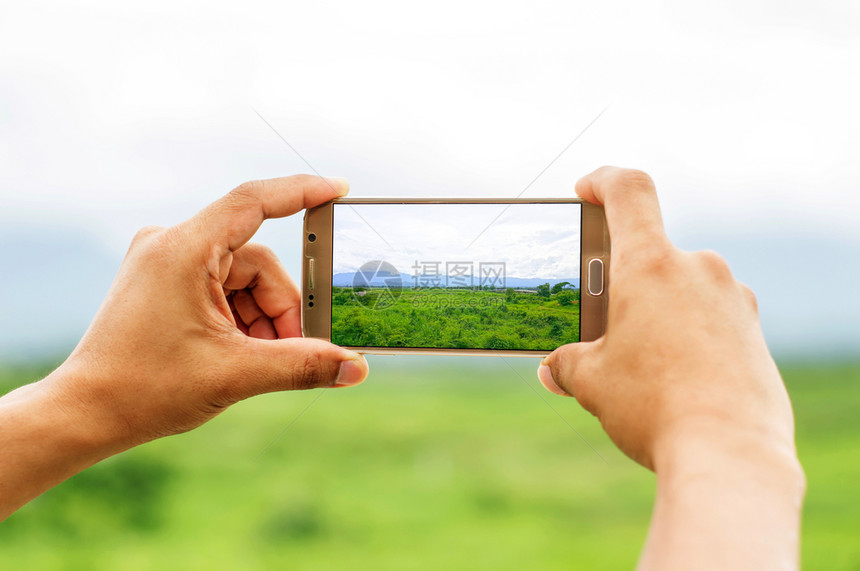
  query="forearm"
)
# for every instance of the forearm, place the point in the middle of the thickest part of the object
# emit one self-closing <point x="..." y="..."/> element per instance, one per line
<point x="733" y="505"/>
<point x="45" y="440"/>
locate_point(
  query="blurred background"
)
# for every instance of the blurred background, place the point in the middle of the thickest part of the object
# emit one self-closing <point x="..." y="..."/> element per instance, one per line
<point x="115" y="116"/>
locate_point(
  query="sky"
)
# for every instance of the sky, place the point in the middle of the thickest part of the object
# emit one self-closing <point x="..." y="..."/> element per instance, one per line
<point x="115" y="116"/>
<point x="533" y="241"/>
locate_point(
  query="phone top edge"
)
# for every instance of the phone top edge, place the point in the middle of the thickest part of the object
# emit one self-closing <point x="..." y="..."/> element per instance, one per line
<point x="454" y="200"/>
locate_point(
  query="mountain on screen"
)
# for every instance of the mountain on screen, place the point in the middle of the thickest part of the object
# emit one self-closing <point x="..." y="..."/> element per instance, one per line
<point x="386" y="279"/>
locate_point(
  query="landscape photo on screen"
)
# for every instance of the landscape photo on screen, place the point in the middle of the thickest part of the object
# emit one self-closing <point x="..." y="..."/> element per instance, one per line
<point x="456" y="276"/>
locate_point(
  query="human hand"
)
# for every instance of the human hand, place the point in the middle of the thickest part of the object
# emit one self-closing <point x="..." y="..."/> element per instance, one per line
<point x="683" y="357"/>
<point x="683" y="383"/>
<point x="198" y="319"/>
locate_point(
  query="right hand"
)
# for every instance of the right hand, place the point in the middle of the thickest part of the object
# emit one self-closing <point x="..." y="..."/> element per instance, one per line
<point x="683" y="361"/>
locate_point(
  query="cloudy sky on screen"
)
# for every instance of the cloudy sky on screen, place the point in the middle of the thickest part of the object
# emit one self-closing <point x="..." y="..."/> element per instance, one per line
<point x="115" y="115"/>
<point x="533" y="241"/>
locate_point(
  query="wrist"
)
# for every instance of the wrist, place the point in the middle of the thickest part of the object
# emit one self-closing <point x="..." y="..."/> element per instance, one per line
<point x="727" y="498"/>
<point x="45" y="440"/>
<point x="702" y="449"/>
<point x="78" y="407"/>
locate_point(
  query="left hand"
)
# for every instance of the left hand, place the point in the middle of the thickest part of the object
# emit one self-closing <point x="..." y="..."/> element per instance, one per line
<point x="198" y="319"/>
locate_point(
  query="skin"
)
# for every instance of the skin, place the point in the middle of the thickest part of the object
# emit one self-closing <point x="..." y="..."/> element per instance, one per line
<point x="198" y="319"/>
<point x="684" y="384"/>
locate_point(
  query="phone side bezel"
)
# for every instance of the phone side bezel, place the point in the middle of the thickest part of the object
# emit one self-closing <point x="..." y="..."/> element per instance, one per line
<point x="316" y="272"/>
<point x="316" y="282"/>
<point x="594" y="244"/>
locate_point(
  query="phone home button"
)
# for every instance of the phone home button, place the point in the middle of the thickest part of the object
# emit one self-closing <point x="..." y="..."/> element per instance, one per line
<point x="595" y="276"/>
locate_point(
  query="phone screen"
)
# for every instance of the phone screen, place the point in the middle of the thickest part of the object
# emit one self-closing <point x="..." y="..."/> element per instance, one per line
<point x="456" y="276"/>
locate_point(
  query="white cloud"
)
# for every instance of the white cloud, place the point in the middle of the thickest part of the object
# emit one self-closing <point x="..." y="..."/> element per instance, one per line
<point x="533" y="240"/>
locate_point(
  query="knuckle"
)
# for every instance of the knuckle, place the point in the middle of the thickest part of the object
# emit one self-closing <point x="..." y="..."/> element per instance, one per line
<point x="750" y="297"/>
<point x="658" y="258"/>
<point x="250" y="188"/>
<point x="260" y="251"/>
<point x="147" y="242"/>
<point x="634" y="179"/>
<point x="715" y="264"/>
<point x="236" y="201"/>
<point x="145" y="233"/>
<point x="313" y="373"/>
<point x="244" y="193"/>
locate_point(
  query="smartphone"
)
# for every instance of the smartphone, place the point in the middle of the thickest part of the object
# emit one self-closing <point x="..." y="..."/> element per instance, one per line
<point x="455" y="276"/>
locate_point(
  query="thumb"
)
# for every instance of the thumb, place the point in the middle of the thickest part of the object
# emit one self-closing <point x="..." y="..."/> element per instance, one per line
<point x="566" y="371"/>
<point x="271" y="365"/>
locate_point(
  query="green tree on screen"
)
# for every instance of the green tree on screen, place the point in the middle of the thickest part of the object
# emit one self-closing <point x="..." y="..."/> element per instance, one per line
<point x="543" y="290"/>
<point x="565" y="297"/>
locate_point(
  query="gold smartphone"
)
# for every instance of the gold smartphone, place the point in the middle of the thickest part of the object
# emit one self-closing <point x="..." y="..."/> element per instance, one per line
<point x="455" y="276"/>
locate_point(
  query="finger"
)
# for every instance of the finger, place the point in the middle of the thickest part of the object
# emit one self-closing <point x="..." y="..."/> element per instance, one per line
<point x="257" y="269"/>
<point x="234" y="315"/>
<point x="231" y="221"/>
<point x="293" y="364"/>
<point x="566" y="372"/>
<point x="258" y="323"/>
<point x="630" y="202"/>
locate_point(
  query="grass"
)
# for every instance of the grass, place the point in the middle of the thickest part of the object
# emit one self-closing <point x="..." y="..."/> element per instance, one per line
<point x="454" y="318"/>
<point x="444" y="463"/>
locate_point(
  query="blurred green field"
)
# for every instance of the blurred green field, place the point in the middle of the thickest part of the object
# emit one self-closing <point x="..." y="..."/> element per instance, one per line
<point x="447" y="463"/>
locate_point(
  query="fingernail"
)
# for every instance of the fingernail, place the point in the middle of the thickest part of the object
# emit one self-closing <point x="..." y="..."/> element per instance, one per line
<point x="340" y="184"/>
<point x="352" y="372"/>
<point x="544" y="374"/>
